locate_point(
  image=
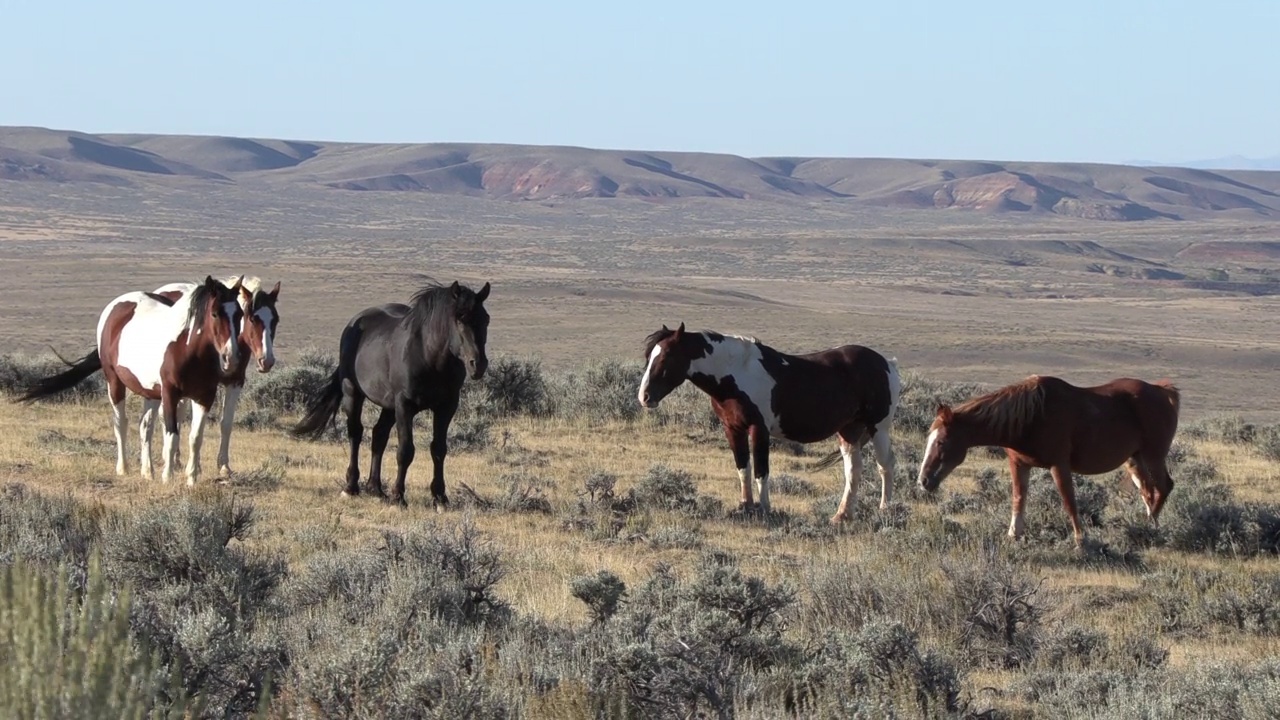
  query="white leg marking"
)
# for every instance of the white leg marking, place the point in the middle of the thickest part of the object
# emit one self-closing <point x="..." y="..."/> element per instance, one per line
<point x="198" y="413"/>
<point x="170" y="454"/>
<point x="118" y="424"/>
<point x="884" y="462"/>
<point x="762" y="492"/>
<point x="744" y="479"/>
<point x="150" y="409"/>
<point x="852" y="476"/>
<point x="229" y="402"/>
<point x="1016" y="525"/>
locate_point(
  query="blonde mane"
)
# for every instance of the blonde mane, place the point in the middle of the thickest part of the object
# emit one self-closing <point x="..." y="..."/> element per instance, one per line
<point x="252" y="284"/>
<point x="1009" y="410"/>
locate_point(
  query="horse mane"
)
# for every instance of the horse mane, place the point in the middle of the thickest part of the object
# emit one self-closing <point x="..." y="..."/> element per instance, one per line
<point x="429" y="307"/>
<point x="654" y="338"/>
<point x="198" y="303"/>
<point x="1010" y="409"/>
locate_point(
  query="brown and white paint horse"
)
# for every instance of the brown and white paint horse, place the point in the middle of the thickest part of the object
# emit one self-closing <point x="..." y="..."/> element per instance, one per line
<point x="257" y="343"/>
<point x="163" y="351"/>
<point x="1045" y="422"/>
<point x="758" y="392"/>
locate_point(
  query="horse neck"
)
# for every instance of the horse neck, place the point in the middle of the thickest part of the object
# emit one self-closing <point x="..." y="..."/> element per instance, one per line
<point x="728" y="356"/>
<point x="972" y="430"/>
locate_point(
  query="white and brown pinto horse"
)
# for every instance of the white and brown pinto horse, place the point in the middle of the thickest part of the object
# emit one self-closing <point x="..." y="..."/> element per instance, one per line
<point x="164" y="351"/>
<point x="758" y="392"/>
<point x="257" y="343"/>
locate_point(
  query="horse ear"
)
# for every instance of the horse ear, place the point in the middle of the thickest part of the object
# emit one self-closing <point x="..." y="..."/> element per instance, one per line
<point x="209" y="281"/>
<point x="944" y="412"/>
<point x="665" y="329"/>
<point x="238" y="284"/>
<point x="483" y="294"/>
<point x="455" y="289"/>
<point x="275" y="291"/>
<point x="680" y="330"/>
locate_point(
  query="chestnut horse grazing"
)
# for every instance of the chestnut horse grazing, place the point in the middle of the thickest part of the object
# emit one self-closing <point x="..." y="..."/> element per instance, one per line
<point x="164" y="351"/>
<point x="257" y="343"/>
<point x="1046" y="422"/>
<point x="404" y="359"/>
<point x="758" y="392"/>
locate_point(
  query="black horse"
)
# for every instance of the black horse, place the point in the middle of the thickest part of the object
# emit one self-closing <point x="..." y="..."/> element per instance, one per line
<point x="405" y="359"/>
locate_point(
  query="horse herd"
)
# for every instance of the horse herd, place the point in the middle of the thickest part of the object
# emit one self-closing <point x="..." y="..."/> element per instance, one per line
<point x="184" y="340"/>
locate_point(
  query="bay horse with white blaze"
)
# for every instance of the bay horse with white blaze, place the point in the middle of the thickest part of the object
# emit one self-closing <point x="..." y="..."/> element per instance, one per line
<point x="1045" y="422"/>
<point x="257" y="343"/>
<point x="164" y="351"/>
<point x="758" y="392"/>
<point x="405" y="359"/>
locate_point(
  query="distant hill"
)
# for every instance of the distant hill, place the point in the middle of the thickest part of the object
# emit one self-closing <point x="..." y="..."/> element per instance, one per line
<point x="524" y="172"/>
<point x="1231" y="162"/>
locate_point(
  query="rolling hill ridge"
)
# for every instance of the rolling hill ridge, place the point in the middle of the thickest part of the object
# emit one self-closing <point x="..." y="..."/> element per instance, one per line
<point x="542" y="173"/>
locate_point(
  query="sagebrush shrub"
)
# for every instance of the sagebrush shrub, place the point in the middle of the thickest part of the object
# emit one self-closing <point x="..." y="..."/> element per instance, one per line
<point x="18" y="372"/>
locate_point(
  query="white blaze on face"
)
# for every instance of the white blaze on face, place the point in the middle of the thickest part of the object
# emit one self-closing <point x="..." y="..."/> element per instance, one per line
<point x="928" y="452"/>
<point x="644" y="381"/>
<point x="266" y="315"/>
<point x="232" y="348"/>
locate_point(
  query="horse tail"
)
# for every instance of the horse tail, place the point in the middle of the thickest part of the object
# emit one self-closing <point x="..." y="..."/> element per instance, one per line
<point x="895" y="387"/>
<point x="827" y="461"/>
<point x="326" y="399"/>
<point x="1173" y="394"/>
<point x="323" y="406"/>
<point x="76" y="371"/>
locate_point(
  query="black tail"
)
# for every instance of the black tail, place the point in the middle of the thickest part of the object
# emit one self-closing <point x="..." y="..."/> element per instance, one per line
<point x="65" y="380"/>
<point x="826" y="462"/>
<point x="325" y="403"/>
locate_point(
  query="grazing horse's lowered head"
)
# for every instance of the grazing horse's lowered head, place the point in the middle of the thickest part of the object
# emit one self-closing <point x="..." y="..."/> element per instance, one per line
<point x="942" y="454"/>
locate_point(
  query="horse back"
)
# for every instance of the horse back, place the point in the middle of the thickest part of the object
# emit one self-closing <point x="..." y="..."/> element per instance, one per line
<point x="847" y="384"/>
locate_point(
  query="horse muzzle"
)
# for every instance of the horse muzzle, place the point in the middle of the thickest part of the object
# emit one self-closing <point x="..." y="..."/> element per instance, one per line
<point x="265" y="364"/>
<point x="476" y="368"/>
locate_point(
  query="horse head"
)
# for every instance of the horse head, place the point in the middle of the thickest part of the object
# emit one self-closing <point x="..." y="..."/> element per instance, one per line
<point x="261" y="318"/>
<point x="942" y="452"/>
<point x="669" y="358"/>
<point x="471" y="327"/>
<point x="215" y="315"/>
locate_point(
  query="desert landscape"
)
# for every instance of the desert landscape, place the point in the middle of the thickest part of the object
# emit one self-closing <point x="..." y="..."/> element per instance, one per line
<point x="972" y="274"/>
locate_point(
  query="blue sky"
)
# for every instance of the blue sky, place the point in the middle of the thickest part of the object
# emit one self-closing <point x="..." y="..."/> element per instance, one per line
<point x="1079" y="81"/>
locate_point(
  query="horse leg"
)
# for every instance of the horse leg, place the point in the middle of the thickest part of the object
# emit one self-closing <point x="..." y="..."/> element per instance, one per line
<point x="230" y="400"/>
<point x="118" y="424"/>
<point x="1163" y="487"/>
<point x="851" y="449"/>
<point x="1021" y="474"/>
<point x="1067" y="489"/>
<point x="145" y="429"/>
<point x="169" y="411"/>
<point x="195" y="439"/>
<point x="353" y="405"/>
<point x="440" y="419"/>
<point x="760" y="461"/>
<point x="405" y="451"/>
<point x="884" y="461"/>
<point x="739" y="444"/>
<point x="377" y="446"/>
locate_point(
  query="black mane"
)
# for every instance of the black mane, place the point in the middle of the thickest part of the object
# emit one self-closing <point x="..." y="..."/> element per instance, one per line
<point x="200" y="299"/>
<point x="654" y="338"/>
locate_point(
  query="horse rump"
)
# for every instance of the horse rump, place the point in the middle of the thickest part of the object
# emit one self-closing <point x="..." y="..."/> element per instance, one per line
<point x="323" y="406"/>
<point x="77" y="371"/>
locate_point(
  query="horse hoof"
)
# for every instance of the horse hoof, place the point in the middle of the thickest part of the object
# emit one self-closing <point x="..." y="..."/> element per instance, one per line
<point x="346" y="494"/>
